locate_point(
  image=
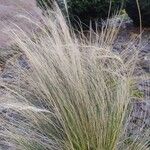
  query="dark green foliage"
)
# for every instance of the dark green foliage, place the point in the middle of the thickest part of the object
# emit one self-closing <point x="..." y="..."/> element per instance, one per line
<point x="132" y="11"/>
<point x="93" y="10"/>
<point x="44" y="4"/>
<point x="88" y="10"/>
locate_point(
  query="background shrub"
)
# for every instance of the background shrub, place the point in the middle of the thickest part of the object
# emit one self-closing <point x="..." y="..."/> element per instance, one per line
<point x="92" y="10"/>
<point x="132" y="10"/>
<point x="88" y="10"/>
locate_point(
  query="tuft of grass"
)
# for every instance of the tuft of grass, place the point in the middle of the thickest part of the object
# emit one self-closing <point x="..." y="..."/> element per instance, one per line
<point x="78" y="93"/>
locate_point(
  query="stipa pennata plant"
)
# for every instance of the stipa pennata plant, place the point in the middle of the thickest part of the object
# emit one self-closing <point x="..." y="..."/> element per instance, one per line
<point x="78" y="90"/>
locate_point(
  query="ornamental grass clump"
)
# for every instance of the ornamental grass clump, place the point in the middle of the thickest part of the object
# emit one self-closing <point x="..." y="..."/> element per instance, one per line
<point x="77" y="93"/>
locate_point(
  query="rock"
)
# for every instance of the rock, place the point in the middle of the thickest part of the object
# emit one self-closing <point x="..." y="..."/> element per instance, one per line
<point x="5" y="145"/>
<point x="11" y="12"/>
<point x="6" y="54"/>
<point x="23" y="62"/>
<point x="144" y="87"/>
<point x="139" y="121"/>
<point x="145" y="61"/>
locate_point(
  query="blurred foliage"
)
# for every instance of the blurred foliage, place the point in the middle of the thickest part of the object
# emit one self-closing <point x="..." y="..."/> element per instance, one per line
<point x="87" y="10"/>
<point x="133" y="12"/>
